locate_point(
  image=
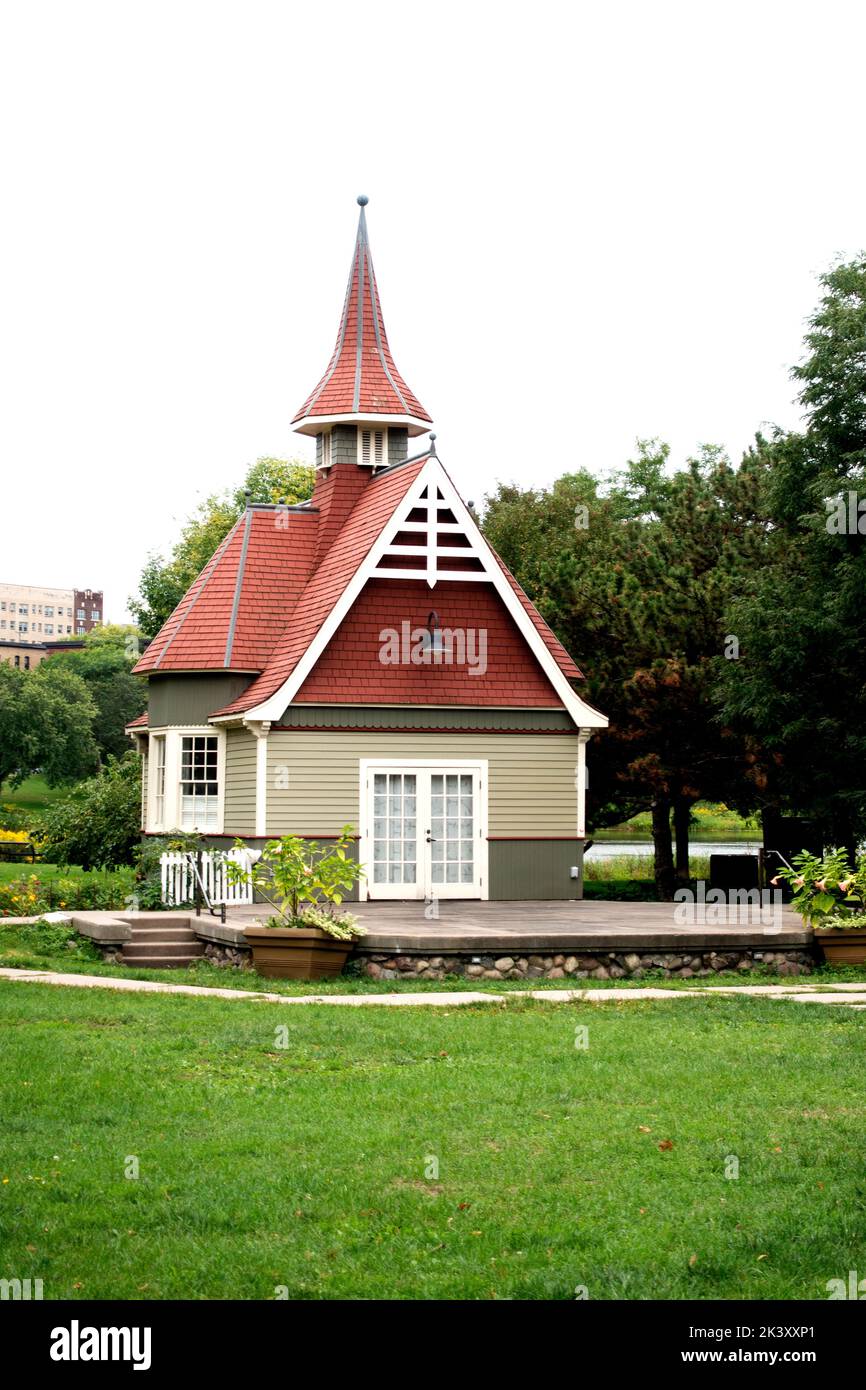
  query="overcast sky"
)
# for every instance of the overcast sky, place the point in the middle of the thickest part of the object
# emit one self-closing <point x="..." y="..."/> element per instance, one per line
<point x="590" y="223"/>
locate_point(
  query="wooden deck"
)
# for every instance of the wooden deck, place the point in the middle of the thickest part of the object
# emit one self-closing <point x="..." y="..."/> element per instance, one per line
<point x="536" y="926"/>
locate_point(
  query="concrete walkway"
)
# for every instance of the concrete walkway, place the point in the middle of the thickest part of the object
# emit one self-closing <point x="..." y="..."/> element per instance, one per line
<point x="851" y="995"/>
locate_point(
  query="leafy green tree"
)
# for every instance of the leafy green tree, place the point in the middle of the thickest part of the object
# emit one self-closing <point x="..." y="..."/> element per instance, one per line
<point x="97" y="825"/>
<point x="105" y="664"/>
<point x="46" y="725"/>
<point x="163" y="582"/>
<point x="798" y="691"/>
<point x="634" y="579"/>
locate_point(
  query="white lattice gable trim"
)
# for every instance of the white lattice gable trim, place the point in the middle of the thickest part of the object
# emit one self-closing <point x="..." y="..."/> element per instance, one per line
<point x="425" y="539"/>
<point x="431" y="495"/>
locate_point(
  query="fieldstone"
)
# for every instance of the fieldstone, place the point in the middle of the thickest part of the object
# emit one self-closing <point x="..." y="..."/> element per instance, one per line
<point x="616" y="972"/>
<point x="534" y="971"/>
<point x="492" y="975"/>
<point x="559" y="960"/>
<point x="631" y="961"/>
<point x="504" y="963"/>
<point x="601" y="972"/>
<point x="404" y="963"/>
<point x="522" y="963"/>
<point x="372" y="970"/>
<point x="557" y="973"/>
<point x="436" y="962"/>
<point x="686" y="973"/>
<point x="536" y="960"/>
<point x="590" y="963"/>
<point x="422" y="967"/>
<point x="475" y="970"/>
<point x="571" y="964"/>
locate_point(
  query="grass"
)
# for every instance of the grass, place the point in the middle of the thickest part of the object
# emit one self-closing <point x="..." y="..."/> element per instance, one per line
<point x="636" y="868"/>
<point x="34" y="794"/>
<point x="460" y="1154"/>
<point x="46" y="872"/>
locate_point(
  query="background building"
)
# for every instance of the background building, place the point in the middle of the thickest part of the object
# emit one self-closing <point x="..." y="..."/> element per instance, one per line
<point x="27" y="655"/>
<point x="31" y="614"/>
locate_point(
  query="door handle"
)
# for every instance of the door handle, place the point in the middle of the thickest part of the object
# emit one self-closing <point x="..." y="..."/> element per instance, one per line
<point x="431" y="839"/>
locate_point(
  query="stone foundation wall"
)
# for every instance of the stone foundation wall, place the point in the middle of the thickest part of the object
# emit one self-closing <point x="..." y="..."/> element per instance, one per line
<point x="604" y="965"/>
<point x="234" y="957"/>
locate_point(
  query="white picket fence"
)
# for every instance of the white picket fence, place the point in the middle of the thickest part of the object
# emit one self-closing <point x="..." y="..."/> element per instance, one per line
<point x="177" y="871"/>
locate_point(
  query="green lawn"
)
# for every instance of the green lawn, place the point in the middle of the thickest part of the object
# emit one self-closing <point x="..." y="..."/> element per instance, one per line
<point x="34" y="794"/>
<point x="314" y="1167"/>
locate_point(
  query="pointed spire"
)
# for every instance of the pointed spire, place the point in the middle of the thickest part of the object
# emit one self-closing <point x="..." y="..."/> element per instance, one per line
<point x="362" y="383"/>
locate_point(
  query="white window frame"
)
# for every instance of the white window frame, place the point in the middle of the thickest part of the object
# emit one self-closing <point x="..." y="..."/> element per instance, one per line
<point x="372" y="448"/>
<point x="478" y="766"/>
<point x="170" y="818"/>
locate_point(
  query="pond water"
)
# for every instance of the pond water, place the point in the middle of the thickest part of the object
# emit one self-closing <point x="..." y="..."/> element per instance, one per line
<point x="613" y="849"/>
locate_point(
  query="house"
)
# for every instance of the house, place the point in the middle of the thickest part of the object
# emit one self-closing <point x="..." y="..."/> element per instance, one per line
<point x="365" y="659"/>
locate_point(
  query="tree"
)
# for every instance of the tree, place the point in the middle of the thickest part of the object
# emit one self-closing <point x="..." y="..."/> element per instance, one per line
<point x="163" y="582"/>
<point x="98" y="824"/>
<point x="105" y="664"/>
<point x="634" y="580"/>
<point x="46" y="725"/>
<point x="799" y="689"/>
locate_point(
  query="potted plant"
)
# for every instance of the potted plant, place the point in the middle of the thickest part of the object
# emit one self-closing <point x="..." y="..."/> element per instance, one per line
<point x="305" y="882"/>
<point x="831" y="896"/>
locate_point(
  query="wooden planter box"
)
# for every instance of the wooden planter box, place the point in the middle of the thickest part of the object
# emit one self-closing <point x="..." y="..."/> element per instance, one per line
<point x="303" y="953"/>
<point x="843" y="947"/>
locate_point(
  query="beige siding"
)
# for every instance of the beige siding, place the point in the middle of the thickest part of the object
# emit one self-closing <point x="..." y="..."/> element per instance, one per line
<point x="531" y="788"/>
<point x="239" y="816"/>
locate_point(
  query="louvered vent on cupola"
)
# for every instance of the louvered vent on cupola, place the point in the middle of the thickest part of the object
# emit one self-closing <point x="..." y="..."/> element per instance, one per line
<point x="373" y="448"/>
<point x="429" y="543"/>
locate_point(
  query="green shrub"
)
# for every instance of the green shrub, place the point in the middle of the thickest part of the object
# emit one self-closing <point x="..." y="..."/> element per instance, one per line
<point x="97" y="825"/>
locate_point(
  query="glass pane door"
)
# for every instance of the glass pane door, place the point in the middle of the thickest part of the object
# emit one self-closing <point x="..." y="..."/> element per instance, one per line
<point x="395" y="832"/>
<point x="452" y="829"/>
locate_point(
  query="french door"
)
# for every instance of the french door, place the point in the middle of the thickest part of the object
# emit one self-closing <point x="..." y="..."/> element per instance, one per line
<point x="425" y="830"/>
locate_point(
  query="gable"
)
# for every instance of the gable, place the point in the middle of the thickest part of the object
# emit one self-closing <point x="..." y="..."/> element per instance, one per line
<point x="409" y="524"/>
<point x="376" y="656"/>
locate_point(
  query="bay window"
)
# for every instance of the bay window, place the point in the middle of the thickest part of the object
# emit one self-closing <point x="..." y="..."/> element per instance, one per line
<point x="185" y="780"/>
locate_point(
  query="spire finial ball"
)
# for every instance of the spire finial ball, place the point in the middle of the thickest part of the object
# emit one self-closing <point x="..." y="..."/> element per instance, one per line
<point x="363" y="200"/>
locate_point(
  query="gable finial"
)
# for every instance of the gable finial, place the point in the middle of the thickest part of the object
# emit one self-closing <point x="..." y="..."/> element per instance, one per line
<point x="362" y="200"/>
<point x="433" y="453"/>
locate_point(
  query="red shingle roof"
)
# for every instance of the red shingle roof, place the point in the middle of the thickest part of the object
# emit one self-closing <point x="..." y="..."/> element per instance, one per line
<point x="362" y="379"/>
<point x="276" y="578"/>
<point x="232" y="616"/>
<point x="351" y="547"/>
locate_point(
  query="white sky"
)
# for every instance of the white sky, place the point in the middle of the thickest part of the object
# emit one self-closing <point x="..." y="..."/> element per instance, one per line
<point x="590" y="222"/>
